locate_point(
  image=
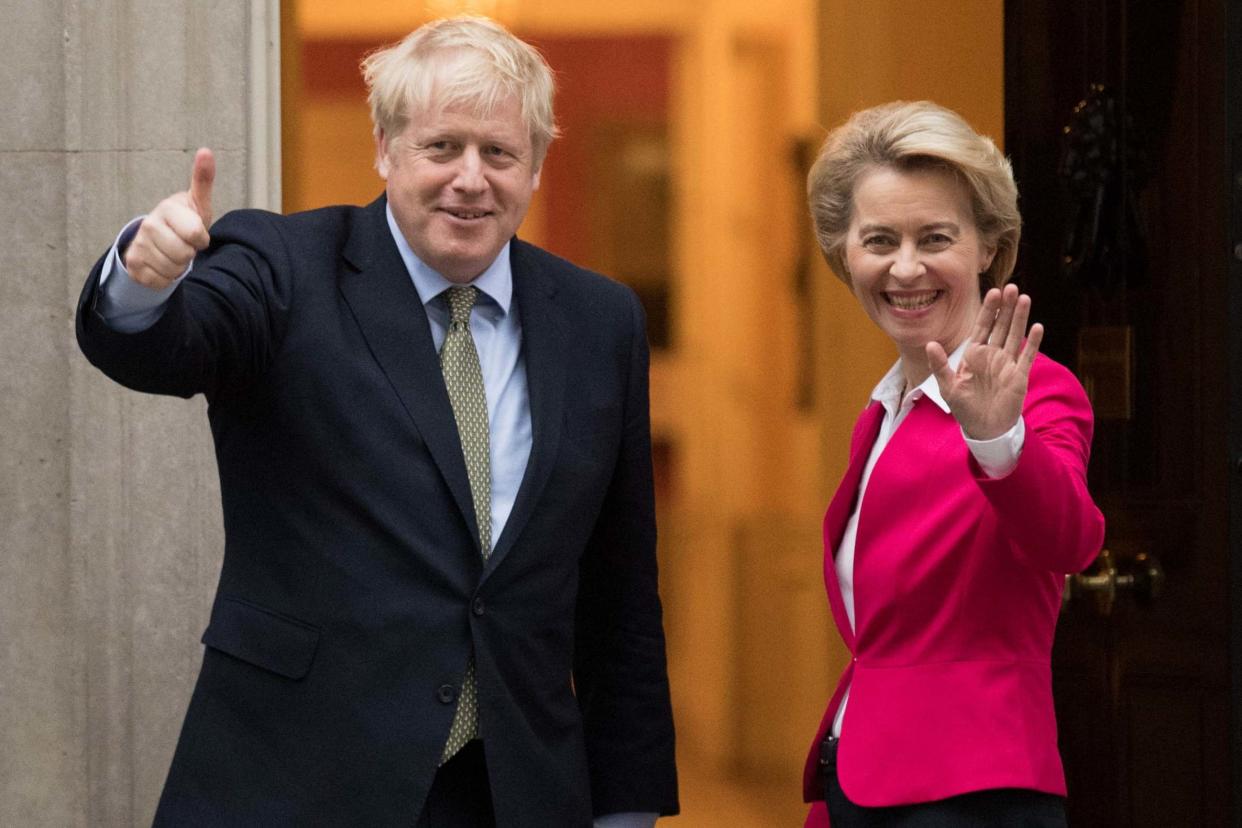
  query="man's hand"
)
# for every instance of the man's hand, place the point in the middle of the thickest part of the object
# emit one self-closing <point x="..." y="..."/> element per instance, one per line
<point x="986" y="392"/>
<point x="175" y="230"/>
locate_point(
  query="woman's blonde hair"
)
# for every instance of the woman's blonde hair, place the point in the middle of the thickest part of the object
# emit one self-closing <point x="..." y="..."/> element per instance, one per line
<point x="460" y="61"/>
<point x="908" y="136"/>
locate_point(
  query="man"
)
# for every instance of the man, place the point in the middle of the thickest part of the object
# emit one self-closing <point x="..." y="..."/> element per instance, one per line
<point x="438" y="600"/>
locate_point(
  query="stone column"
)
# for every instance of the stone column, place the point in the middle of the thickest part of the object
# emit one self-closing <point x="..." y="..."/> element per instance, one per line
<point x="109" y="504"/>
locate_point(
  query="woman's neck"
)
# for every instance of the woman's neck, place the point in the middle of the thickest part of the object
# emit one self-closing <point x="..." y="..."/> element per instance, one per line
<point x="914" y="369"/>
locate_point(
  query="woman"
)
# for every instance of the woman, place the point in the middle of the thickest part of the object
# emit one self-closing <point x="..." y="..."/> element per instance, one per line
<point x="965" y="500"/>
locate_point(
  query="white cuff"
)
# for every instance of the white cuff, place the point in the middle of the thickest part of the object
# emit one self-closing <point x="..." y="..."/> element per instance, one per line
<point x="999" y="456"/>
<point x="125" y="305"/>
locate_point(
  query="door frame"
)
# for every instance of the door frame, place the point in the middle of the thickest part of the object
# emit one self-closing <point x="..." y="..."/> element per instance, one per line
<point x="1233" y="137"/>
<point x="263" y="180"/>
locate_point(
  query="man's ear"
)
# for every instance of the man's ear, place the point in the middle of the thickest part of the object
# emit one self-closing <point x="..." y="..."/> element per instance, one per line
<point x="381" y="153"/>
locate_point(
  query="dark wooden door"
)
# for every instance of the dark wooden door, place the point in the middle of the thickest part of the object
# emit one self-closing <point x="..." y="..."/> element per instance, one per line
<point x="1126" y="255"/>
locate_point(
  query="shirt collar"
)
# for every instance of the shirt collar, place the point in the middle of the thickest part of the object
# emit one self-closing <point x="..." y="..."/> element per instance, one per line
<point x="496" y="282"/>
<point x="888" y="391"/>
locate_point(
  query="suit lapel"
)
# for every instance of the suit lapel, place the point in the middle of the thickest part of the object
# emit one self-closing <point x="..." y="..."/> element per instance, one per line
<point x="379" y="292"/>
<point x="544" y="346"/>
<point x="842" y="506"/>
<point x="925" y="432"/>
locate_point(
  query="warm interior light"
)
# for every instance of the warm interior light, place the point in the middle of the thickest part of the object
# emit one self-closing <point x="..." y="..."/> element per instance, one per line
<point x="502" y="10"/>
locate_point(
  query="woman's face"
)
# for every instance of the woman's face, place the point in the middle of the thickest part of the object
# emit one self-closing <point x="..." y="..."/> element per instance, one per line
<point x="914" y="257"/>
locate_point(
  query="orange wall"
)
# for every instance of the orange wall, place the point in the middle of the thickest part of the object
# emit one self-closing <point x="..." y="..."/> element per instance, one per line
<point x="948" y="51"/>
<point x="599" y="79"/>
<point x="331" y="128"/>
<point x="328" y="145"/>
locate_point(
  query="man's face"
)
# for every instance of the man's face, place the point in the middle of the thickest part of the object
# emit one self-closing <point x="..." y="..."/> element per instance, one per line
<point x="459" y="185"/>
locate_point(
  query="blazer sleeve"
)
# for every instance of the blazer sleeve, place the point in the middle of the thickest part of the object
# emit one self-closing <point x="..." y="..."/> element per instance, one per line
<point x="220" y="326"/>
<point x="1043" y="504"/>
<point x="620" y="673"/>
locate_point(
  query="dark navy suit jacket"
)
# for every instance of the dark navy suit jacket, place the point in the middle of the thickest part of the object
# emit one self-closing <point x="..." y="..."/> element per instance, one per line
<point x="352" y="592"/>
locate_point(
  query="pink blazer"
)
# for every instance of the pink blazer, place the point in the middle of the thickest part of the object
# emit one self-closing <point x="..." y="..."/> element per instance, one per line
<point x="957" y="584"/>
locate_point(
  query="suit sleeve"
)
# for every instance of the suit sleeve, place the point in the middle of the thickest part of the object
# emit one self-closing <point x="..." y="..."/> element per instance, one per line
<point x="620" y="674"/>
<point x="219" y="327"/>
<point x="1043" y="504"/>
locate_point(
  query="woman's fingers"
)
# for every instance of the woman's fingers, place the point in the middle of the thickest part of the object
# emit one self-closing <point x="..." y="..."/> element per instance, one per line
<point x="986" y="317"/>
<point x="1004" y="316"/>
<point x="1017" y="327"/>
<point x="1002" y="320"/>
<point x="938" y="361"/>
<point x="1031" y="348"/>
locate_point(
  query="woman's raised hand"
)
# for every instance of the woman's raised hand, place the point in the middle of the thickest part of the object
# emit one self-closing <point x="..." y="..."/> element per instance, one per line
<point x="986" y="391"/>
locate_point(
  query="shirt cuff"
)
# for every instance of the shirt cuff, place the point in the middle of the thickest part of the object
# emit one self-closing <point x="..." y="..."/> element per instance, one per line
<point x="999" y="456"/>
<point x="125" y="305"/>
<point x="627" y="820"/>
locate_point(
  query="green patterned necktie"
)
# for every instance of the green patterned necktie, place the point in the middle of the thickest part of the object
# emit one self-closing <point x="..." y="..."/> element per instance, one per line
<point x="463" y="377"/>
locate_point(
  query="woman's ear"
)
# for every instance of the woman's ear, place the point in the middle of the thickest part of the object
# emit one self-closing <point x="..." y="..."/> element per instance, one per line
<point x="985" y="260"/>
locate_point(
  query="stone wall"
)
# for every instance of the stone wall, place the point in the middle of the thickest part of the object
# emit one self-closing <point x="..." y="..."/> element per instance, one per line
<point x="110" y="533"/>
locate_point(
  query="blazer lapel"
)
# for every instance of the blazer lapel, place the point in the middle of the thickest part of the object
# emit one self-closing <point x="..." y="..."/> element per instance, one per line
<point x="922" y="433"/>
<point x="544" y="347"/>
<point x="842" y="505"/>
<point x="379" y="292"/>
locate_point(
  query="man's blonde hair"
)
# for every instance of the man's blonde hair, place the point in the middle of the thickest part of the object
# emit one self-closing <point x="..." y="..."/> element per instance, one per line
<point x="909" y="136"/>
<point x="460" y="61"/>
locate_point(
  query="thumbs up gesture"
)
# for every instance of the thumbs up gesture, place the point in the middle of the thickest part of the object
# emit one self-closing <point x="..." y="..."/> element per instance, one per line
<point x="175" y="230"/>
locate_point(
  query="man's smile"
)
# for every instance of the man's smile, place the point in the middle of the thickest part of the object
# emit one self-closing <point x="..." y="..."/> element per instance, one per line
<point x="466" y="213"/>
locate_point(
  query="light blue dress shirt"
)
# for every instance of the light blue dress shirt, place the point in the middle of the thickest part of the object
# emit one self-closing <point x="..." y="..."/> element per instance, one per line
<point x="496" y="327"/>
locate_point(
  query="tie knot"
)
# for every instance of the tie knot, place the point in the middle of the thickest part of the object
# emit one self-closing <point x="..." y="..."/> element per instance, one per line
<point x="461" y="299"/>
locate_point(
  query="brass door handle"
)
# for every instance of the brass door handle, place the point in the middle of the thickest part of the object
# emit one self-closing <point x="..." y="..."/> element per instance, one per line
<point x="1143" y="577"/>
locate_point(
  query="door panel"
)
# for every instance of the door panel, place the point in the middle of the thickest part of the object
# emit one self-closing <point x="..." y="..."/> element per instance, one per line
<point x="1133" y="296"/>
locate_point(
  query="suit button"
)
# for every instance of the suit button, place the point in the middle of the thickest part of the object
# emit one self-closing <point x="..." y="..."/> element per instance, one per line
<point x="447" y="693"/>
<point x="478" y="607"/>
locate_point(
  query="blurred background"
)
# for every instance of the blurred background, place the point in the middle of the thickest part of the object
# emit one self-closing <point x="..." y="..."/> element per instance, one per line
<point x="688" y="129"/>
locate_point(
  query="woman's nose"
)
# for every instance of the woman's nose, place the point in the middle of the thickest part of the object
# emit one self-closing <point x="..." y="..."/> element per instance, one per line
<point x="907" y="263"/>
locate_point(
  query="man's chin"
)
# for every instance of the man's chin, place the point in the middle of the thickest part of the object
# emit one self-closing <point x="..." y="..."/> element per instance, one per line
<point x="462" y="267"/>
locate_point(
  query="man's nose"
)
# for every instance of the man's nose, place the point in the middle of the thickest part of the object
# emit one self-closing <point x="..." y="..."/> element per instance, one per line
<point x="470" y="176"/>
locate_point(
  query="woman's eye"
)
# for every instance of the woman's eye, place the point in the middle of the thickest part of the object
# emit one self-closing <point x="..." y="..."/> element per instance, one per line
<point x="877" y="242"/>
<point x="937" y="240"/>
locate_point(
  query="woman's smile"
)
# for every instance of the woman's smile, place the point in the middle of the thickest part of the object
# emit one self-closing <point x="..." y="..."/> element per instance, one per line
<point x="912" y="300"/>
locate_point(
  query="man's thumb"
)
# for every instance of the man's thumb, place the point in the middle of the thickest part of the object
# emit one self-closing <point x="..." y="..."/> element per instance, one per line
<point x="201" y="181"/>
